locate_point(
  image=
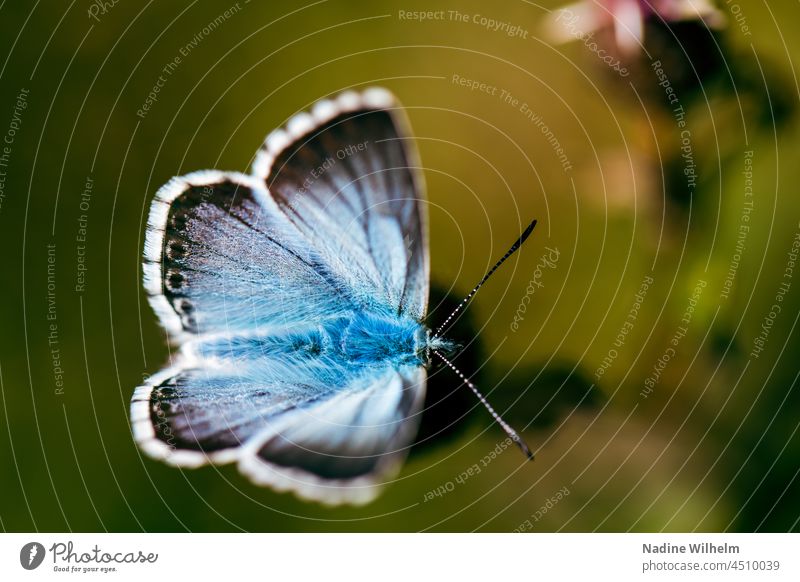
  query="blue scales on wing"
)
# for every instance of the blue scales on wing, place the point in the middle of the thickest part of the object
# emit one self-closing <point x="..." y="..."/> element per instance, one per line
<point x="295" y="298"/>
<point x="347" y="175"/>
<point x="219" y="259"/>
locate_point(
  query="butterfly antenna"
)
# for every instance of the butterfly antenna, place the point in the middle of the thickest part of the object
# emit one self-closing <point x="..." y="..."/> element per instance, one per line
<point x="472" y="293"/>
<point x="509" y="431"/>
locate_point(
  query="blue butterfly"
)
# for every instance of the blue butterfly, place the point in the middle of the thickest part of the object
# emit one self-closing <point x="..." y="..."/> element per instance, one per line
<point x="296" y="296"/>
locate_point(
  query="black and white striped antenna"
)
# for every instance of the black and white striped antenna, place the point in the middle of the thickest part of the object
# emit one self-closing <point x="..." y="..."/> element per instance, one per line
<point x="513" y="435"/>
<point x="522" y="238"/>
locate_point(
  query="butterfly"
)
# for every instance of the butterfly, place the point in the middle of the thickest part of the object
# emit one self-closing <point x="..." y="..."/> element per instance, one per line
<point x="295" y="297"/>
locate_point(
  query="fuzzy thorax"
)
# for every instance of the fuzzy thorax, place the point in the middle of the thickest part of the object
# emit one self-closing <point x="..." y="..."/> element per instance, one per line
<point x="381" y="339"/>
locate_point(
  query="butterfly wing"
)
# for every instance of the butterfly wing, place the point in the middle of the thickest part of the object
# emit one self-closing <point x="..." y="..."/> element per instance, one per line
<point x="329" y="432"/>
<point x="346" y="174"/>
<point x="220" y="257"/>
<point x="345" y="448"/>
<point x="223" y="253"/>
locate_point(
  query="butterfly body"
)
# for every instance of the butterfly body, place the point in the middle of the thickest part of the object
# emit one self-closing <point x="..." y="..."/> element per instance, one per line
<point x="357" y="340"/>
<point x="369" y="338"/>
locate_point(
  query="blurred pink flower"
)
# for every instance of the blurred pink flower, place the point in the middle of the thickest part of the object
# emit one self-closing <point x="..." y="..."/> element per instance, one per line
<point x="627" y="18"/>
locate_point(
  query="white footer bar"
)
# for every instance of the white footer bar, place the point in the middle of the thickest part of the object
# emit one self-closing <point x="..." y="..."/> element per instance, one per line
<point x="402" y="557"/>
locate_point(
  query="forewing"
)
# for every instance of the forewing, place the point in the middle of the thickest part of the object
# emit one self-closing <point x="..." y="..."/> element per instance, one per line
<point x="347" y="175"/>
<point x="220" y="257"/>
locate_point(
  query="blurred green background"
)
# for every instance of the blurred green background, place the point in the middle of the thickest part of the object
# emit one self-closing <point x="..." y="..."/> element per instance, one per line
<point x="713" y="446"/>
